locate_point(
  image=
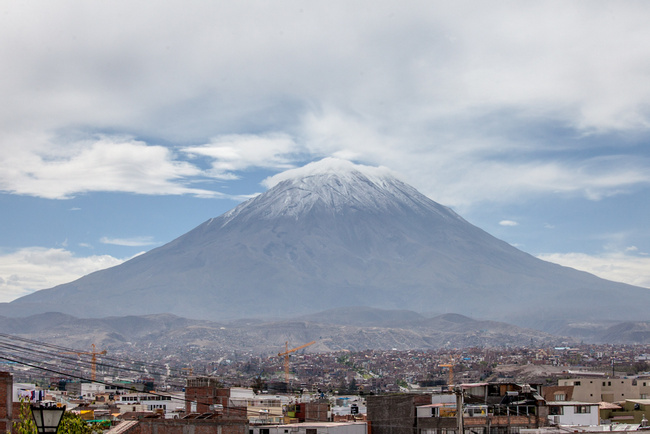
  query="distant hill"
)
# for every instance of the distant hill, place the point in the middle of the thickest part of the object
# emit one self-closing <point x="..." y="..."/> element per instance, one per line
<point x="175" y="334"/>
<point x="333" y="235"/>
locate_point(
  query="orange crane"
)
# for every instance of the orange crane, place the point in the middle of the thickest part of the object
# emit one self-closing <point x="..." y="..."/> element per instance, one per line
<point x="93" y="359"/>
<point x="451" y="371"/>
<point x="286" y="353"/>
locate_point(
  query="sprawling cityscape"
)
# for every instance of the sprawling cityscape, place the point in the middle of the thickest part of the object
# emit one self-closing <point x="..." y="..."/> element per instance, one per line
<point x="307" y="389"/>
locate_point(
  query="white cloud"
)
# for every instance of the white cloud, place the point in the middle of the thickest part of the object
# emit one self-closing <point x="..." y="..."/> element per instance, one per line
<point x="508" y="223"/>
<point x="451" y="95"/>
<point x="33" y="268"/>
<point x="237" y="152"/>
<point x="105" y="164"/>
<point x="130" y="242"/>
<point x="617" y="266"/>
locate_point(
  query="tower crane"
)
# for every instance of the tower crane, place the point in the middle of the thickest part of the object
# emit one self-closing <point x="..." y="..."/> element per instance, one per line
<point x="286" y="353"/>
<point x="93" y="359"/>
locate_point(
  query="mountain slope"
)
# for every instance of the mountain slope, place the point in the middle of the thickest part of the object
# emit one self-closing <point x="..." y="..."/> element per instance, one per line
<point x="334" y="234"/>
<point x="143" y="336"/>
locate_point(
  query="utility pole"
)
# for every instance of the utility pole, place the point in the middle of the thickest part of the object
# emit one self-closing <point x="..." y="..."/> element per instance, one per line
<point x="460" y="401"/>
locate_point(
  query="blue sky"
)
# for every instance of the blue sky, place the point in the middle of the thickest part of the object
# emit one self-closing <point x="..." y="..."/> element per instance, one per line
<point x="124" y="125"/>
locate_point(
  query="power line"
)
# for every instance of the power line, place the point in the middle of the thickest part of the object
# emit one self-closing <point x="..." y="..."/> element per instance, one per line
<point x="83" y="359"/>
<point x="67" y="349"/>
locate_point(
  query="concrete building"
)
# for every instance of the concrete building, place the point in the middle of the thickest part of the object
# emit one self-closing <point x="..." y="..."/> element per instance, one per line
<point x="84" y="390"/>
<point x="479" y="408"/>
<point x="262" y="408"/>
<point x="607" y="389"/>
<point x="632" y="411"/>
<point x="573" y="413"/>
<point x="150" y="402"/>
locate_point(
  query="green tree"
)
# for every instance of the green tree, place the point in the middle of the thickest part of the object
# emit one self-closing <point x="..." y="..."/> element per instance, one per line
<point x="72" y="423"/>
<point x="25" y="423"/>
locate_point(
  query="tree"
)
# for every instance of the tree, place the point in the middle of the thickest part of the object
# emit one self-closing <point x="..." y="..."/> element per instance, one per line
<point x="72" y="423"/>
<point x="25" y="423"/>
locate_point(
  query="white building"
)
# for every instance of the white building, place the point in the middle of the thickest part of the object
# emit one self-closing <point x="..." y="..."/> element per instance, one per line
<point x="84" y="390"/>
<point x="168" y="403"/>
<point x="573" y="413"/>
<point x="261" y="408"/>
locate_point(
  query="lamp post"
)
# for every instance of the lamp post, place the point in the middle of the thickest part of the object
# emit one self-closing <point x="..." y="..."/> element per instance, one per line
<point x="47" y="418"/>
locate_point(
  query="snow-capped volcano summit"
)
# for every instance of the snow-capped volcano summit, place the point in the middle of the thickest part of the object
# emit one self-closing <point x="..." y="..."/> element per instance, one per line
<point x="335" y="186"/>
<point x="335" y="234"/>
<point x="331" y="167"/>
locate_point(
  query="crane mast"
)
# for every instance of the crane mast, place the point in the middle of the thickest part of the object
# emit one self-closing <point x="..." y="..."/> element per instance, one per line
<point x="93" y="359"/>
<point x="286" y="353"/>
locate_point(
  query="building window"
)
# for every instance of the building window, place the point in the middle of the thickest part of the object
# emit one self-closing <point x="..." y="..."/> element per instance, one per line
<point x="560" y="397"/>
<point x="576" y="383"/>
<point x="311" y="431"/>
<point x="581" y="409"/>
<point x="609" y="383"/>
<point x="556" y="410"/>
<point x="604" y="383"/>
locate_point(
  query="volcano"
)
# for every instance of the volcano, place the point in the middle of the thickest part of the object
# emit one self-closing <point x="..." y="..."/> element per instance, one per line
<point x="334" y="234"/>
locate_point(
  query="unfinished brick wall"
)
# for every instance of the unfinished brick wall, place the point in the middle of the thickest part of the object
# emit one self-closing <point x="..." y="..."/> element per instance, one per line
<point x="394" y="414"/>
<point x="205" y="391"/>
<point x="315" y="411"/>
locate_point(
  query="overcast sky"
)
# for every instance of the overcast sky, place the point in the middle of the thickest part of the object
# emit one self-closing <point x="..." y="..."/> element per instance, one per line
<point x="124" y="124"/>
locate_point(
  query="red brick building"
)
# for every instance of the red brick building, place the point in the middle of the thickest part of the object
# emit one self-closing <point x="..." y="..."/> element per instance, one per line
<point x="205" y="394"/>
<point x="9" y="410"/>
<point x="6" y="401"/>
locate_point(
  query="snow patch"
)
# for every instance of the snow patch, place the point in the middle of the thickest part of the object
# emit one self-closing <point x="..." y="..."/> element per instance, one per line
<point x="330" y="166"/>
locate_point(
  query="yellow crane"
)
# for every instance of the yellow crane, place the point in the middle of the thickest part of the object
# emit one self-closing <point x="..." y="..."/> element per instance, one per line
<point x="449" y="366"/>
<point x="286" y="353"/>
<point x="93" y="359"/>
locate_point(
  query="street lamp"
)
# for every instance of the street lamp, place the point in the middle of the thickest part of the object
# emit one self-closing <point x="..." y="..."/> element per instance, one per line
<point x="47" y="418"/>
